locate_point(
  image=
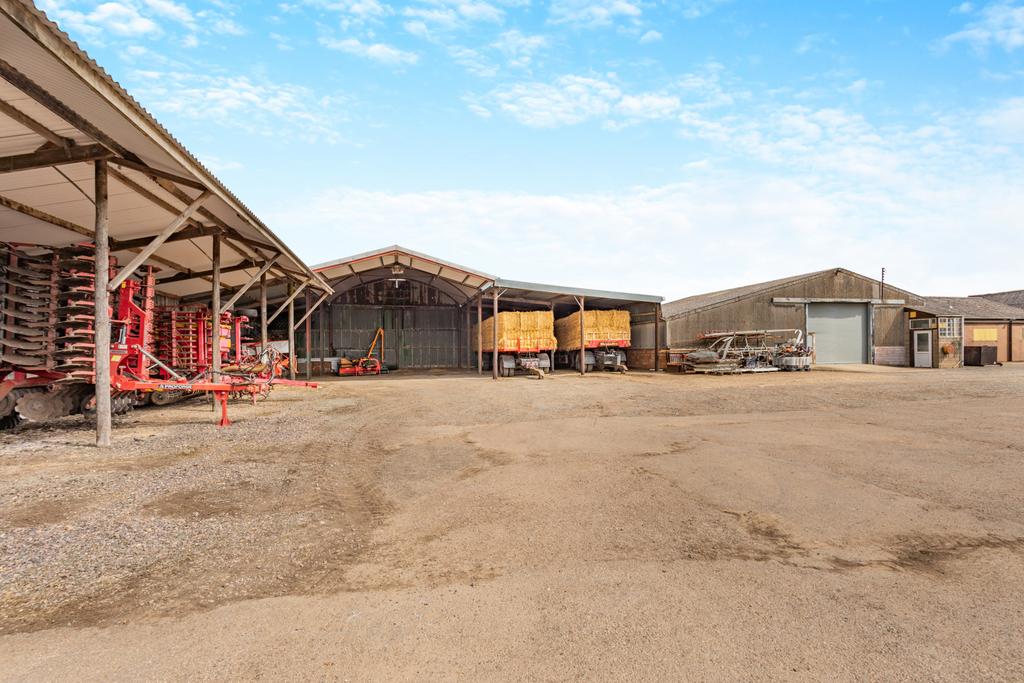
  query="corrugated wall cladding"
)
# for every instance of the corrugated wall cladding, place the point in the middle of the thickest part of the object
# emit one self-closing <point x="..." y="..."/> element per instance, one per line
<point x="754" y="313"/>
<point x="890" y="322"/>
<point x="758" y="312"/>
<point x="414" y="337"/>
<point x="642" y="335"/>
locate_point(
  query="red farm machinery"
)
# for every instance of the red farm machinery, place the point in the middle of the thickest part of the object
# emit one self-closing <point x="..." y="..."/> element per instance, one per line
<point x="158" y="354"/>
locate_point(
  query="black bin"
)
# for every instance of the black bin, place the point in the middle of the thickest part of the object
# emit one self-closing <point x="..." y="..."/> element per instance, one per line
<point x="980" y="355"/>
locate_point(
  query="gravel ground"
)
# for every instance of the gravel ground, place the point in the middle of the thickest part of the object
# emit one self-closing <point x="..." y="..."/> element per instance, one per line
<point x="841" y="525"/>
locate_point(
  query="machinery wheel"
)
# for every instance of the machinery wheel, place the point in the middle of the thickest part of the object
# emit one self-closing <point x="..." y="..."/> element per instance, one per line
<point x="121" y="403"/>
<point x="41" y="405"/>
<point x="590" y="367"/>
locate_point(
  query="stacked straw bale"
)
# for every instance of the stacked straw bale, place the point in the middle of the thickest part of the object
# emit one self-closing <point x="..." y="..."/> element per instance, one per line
<point x="519" y="331"/>
<point x="603" y="328"/>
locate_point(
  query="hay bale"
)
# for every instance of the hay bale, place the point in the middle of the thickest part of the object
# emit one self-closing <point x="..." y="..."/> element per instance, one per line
<point x="602" y="328"/>
<point x="519" y="331"/>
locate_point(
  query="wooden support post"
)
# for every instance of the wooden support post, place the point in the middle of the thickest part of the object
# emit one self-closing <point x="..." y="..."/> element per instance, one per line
<point x="469" y="339"/>
<point x="102" y="308"/>
<point x="494" y="337"/>
<point x="480" y="334"/>
<point x="657" y="339"/>
<point x="263" y="312"/>
<point x="309" y="338"/>
<point x="583" y="336"/>
<point x="322" y="339"/>
<point x="551" y="370"/>
<point x="292" y="355"/>
<point x="215" y="313"/>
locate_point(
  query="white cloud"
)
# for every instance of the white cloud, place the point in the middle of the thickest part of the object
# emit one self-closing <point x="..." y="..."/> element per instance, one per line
<point x="117" y="18"/>
<point x="647" y="106"/>
<point x="519" y="49"/>
<point x="227" y="26"/>
<point x="449" y="15"/>
<point x="999" y="24"/>
<point x="352" y="11"/>
<point x="811" y="41"/>
<point x="962" y="8"/>
<point x="573" y="99"/>
<point x="857" y="87"/>
<point x="218" y="165"/>
<point x="1006" y="121"/>
<point x="566" y="101"/>
<point x="650" y="37"/>
<point x="172" y="10"/>
<point x="472" y="61"/>
<point x="141" y="18"/>
<point x="593" y="13"/>
<point x="695" y="9"/>
<point x="378" y="52"/>
<point x="763" y="225"/>
<point x="257" y="107"/>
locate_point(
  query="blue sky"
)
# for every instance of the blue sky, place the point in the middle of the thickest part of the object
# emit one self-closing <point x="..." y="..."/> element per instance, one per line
<point x="670" y="148"/>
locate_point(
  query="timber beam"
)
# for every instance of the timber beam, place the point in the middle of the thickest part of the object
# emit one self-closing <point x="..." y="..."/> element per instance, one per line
<point x="155" y="243"/>
<point x="53" y="156"/>
<point x="39" y="129"/>
<point x="55" y="106"/>
<point x="181" y="235"/>
<point x="192" y="275"/>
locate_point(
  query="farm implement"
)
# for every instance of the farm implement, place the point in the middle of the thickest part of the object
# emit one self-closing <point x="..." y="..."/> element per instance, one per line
<point x="157" y="355"/>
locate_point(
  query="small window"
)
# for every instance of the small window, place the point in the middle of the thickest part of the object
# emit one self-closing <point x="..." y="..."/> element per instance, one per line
<point x="951" y="327"/>
<point x="920" y="324"/>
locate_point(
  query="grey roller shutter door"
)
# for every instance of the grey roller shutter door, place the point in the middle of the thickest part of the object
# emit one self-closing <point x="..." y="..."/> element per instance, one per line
<point x="840" y="332"/>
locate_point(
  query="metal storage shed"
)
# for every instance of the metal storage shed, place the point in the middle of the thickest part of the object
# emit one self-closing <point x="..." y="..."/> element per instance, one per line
<point x="853" y="318"/>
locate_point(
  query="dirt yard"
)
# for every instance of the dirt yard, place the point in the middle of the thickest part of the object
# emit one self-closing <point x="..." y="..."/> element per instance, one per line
<point x="818" y="525"/>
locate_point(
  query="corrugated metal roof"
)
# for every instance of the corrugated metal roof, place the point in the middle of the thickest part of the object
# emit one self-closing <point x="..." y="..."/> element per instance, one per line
<point x="377" y="264"/>
<point x="700" y="302"/>
<point x="971" y="307"/>
<point x="549" y="293"/>
<point x="37" y="48"/>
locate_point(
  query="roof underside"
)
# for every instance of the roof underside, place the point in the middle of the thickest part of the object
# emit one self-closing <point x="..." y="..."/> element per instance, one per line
<point x="972" y="307"/>
<point x="459" y="282"/>
<point x="53" y="205"/>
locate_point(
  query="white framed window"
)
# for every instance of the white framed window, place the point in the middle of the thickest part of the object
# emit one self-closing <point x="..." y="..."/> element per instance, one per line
<point x="920" y="323"/>
<point x="951" y="327"/>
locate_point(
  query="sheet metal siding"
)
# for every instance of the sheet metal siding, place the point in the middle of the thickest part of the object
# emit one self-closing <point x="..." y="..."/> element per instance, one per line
<point x="430" y="337"/>
<point x="890" y="326"/>
<point x="758" y="312"/>
<point x="642" y="336"/>
<point x="415" y="337"/>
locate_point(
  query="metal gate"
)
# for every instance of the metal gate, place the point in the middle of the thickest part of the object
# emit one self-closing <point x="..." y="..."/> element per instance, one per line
<point x="840" y="332"/>
<point x="415" y="336"/>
